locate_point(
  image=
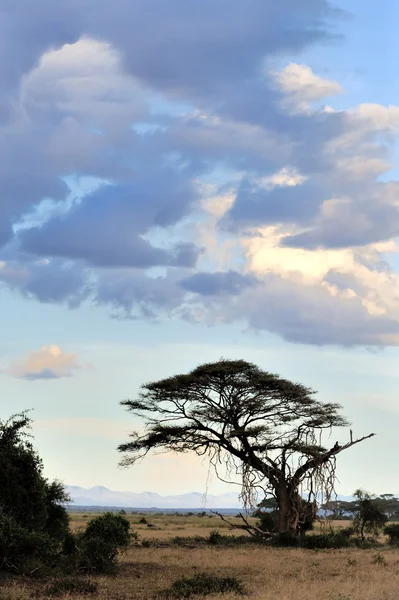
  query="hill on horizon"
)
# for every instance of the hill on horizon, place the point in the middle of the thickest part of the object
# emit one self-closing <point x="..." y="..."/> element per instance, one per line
<point x="102" y="496"/>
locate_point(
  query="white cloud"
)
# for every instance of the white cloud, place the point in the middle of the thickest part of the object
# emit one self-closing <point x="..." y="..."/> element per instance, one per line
<point x="302" y="87"/>
<point x="50" y="362"/>
<point x="85" y="81"/>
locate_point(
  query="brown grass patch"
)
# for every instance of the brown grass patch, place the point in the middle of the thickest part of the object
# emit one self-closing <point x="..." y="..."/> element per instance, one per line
<point x="267" y="573"/>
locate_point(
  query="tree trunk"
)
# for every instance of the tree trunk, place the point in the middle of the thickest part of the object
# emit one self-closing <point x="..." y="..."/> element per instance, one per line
<point x="286" y="511"/>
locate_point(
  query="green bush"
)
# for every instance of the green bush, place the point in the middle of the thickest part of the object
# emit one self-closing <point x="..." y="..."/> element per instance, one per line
<point x="95" y="550"/>
<point x="109" y="527"/>
<point x="23" y="551"/>
<point x="202" y="585"/>
<point x="392" y="531"/>
<point x="268" y="521"/>
<point x="33" y="522"/>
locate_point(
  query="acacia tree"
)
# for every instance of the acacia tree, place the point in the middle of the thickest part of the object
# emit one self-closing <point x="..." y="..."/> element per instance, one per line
<point x="248" y="422"/>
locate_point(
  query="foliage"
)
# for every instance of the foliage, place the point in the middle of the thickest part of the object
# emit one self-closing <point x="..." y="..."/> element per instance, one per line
<point x="368" y="518"/>
<point x="21" y="550"/>
<point x="202" y="585"/>
<point x="392" y="531"/>
<point x="268" y="520"/>
<point x="95" y="550"/>
<point x="260" y="426"/>
<point x="387" y="504"/>
<point x="33" y="522"/>
<point x="110" y="527"/>
<point x="25" y="494"/>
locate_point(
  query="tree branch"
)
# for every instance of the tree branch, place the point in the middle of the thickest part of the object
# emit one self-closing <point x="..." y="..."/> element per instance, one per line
<point x="251" y="529"/>
<point x="323" y="458"/>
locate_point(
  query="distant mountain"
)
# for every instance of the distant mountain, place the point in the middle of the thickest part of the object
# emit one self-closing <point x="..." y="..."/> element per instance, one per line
<point x="102" y="496"/>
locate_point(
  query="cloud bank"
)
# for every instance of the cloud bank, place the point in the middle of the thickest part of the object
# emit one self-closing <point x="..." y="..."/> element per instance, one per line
<point x="163" y="160"/>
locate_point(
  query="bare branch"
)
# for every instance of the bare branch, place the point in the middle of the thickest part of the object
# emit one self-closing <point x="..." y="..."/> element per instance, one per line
<point x="251" y="529"/>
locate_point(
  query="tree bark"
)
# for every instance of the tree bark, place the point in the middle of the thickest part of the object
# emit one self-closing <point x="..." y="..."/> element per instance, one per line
<point x="285" y="511"/>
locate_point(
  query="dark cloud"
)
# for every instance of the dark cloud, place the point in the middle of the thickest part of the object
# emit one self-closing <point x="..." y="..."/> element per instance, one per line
<point x="131" y="294"/>
<point x="105" y="229"/>
<point x="353" y="221"/>
<point x="197" y="48"/>
<point x="255" y="205"/>
<point x="48" y="281"/>
<point x="228" y="283"/>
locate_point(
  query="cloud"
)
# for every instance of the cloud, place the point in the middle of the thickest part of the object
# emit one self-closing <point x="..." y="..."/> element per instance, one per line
<point x="301" y="86"/>
<point x="224" y="188"/>
<point x="228" y="283"/>
<point x="105" y="229"/>
<point x="50" y="362"/>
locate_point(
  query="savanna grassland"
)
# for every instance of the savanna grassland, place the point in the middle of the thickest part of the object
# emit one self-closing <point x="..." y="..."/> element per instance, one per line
<point x="168" y="548"/>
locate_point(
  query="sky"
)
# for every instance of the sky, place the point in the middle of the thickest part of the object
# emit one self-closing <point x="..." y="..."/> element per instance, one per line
<point x="185" y="181"/>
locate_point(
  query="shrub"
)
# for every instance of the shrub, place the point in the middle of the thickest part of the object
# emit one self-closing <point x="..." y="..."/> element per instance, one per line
<point x="23" y="551"/>
<point x="70" y="585"/>
<point x="392" y="531"/>
<point x="215" y="537"/>
<point x="268" y="521"/>
<point x="202" y="585"/>
<point x="326" y="540"/>
<point x="95" y="550"/>
<point x="110" y="527"/>
<point x="33" y="522"/>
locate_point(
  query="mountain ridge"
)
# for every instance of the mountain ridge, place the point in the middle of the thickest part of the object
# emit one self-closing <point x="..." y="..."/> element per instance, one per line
<point x="103" y="496"/>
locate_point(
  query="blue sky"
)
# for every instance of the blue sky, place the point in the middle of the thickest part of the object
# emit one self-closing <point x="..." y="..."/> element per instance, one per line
<point x="177" y="187"/>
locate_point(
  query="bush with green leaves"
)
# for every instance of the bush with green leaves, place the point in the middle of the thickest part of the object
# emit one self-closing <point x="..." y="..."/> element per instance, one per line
<point x="23" y="551"/>
<point x="203" y="585"/>
<point x="95" y="550"/>
<point x="25" y="494"/>
<point x="33" y="521"/>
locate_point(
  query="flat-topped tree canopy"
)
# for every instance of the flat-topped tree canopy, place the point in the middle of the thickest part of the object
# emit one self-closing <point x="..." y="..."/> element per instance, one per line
<point x="268" y="429"/>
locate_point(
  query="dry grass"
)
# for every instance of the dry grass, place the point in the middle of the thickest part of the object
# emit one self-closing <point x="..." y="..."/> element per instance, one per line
<point x="267" y="573"/>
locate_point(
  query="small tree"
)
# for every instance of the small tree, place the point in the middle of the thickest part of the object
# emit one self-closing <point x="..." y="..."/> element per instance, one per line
<point x="368" y="516"/>
<point x="95" y="550"/>
<point x="258" y="425"/>
<point x="33" y="522"/>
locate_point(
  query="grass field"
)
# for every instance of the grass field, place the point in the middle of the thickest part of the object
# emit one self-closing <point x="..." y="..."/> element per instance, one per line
<point x="267" y="573"/>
